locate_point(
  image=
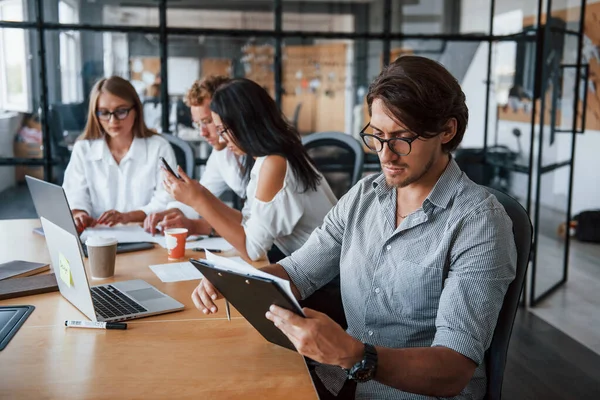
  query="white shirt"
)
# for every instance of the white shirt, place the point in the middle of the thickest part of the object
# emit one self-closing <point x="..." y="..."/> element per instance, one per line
<point x="94" y="182"/>
<point x="288" y="219"/>
<point x="222" y="173"/>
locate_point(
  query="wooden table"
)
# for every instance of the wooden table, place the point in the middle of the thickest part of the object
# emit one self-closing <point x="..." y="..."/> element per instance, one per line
<point x="178" y="355"/>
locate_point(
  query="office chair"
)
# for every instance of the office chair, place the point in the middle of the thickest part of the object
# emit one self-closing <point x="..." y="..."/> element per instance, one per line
<point x="296" y="115"/>
<point x="496" y="354"/>
<point x="64" y="118"/>
<point x="184" y="154"/>
<point x="338" y="156"/>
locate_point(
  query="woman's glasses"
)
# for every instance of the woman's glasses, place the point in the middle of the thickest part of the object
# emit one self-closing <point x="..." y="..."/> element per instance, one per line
<point x="119" y="113"/>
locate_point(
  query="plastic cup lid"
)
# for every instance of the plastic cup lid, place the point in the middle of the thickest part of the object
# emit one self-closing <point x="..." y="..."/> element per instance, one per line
<point x="100" y="241"/>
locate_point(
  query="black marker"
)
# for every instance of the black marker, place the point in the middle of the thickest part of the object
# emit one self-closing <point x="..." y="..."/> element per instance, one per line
<point x="204" y="249"/>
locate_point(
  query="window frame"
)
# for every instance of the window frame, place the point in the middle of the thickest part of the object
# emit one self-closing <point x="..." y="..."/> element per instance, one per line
<point x="5" y="103"/>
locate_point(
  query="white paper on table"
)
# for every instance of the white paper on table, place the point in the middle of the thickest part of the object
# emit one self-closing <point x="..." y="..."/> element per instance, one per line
<point x="216" y="243"/>
<point x="176" y="272"/>
<point x="123" y="234"/>
<point x="209" y="243"/>
<point x="242" y="267"/>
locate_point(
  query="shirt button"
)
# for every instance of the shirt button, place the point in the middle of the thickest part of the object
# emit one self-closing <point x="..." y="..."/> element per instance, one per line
<point x="377" y="290"/>
<point x="370" y="333"/>
<point x="389" y="247"/>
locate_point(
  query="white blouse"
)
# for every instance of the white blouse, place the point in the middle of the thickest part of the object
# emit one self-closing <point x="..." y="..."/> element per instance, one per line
<point x="94" y="182"/>
<point x="222" y="173"/>
<point x="288" y="219"/>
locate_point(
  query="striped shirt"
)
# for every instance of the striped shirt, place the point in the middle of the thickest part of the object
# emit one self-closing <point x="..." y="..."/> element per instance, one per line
<point x="391" y="278"/>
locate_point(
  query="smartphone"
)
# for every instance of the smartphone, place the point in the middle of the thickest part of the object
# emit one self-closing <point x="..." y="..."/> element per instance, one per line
<point x="168" y="168"/>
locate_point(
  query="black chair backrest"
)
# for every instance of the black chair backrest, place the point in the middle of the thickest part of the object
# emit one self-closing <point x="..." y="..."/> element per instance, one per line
<point x="65" y="117"/>
<point x="73" y="116"/>
<point x="338" y="156"/>
<point x="184" y="153"/>
<point x="296" y="115"/>
<point x="496" y="354"/>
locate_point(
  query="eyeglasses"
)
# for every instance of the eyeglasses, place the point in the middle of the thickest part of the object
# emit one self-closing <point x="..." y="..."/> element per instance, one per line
<point x="202" y="124"/>
<point x="398" y="145"/>
<point x="223" y="133"/>
<point x="119" y="113"/>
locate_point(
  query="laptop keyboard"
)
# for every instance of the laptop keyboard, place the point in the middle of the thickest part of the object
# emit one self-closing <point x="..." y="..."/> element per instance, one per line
<point x="110" y="302"/>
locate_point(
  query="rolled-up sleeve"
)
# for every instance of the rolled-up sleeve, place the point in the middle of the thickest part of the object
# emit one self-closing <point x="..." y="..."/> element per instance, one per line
<point x="482" y="266"/>
<point x="317" y="262"/>
<point x="75" y="183"/>
<point x="160" y="197"/>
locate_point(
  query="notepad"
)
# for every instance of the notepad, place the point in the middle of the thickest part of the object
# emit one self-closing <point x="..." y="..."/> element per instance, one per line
<point x="19" y="269"/>
<point x="176" y="272"/>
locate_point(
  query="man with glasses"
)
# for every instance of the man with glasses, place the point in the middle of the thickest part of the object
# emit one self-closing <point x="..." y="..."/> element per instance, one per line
<point x="425" y="256"/>
<point x="222" y="168"/>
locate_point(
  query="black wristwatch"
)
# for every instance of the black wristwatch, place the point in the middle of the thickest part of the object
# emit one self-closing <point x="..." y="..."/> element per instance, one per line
<point x="365" y="369"/>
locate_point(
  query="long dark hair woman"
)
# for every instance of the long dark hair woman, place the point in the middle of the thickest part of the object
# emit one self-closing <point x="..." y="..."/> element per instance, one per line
<point x="287" y="198"/>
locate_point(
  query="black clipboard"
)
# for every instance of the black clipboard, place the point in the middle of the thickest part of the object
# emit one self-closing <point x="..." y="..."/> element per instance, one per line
<point x="251" y="296"/>
<point x="12" y="317"/>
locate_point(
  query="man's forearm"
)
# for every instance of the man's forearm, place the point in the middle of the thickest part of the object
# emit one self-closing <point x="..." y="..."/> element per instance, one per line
<point x="431" y="371"/>
<point x="279" y="271"/>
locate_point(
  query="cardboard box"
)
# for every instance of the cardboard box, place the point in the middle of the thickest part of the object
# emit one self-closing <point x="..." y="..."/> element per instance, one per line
<point x="28" y="150"/>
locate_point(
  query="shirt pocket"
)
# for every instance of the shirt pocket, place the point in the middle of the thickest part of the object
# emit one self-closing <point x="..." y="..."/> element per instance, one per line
<point x="416" y="289"/>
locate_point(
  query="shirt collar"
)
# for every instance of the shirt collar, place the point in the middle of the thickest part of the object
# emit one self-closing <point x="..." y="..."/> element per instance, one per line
<point x="380" y="186"/>
<point x="137" y="151"/>
<point x="98" y="148"/>
<point x="441" y="194"/>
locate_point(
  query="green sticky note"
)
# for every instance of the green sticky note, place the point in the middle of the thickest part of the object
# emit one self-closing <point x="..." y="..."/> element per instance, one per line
<point x="65" y="270"/>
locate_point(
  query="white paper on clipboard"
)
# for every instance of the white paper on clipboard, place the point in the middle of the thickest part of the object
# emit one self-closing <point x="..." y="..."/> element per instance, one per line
<point x="242" y="267"/>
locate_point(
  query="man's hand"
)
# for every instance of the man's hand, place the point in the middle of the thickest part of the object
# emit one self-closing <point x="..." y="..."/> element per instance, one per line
<point x="112" y="218"/>
<point x="204" y="295"/>
<point x="152" y="221"/>
<point x="184" y="190"/>
<point x="317" y="336"/>
<point x="176" y="219"/>
<point x="82" y="220"/>
<point x="172" y="218"/>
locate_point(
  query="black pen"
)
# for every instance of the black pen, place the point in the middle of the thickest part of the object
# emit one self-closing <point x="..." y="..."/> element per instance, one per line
<point x="204" y="249"/>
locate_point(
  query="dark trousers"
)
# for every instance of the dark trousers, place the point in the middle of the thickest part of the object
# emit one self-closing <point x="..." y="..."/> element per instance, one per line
<point x="347" y="392"/>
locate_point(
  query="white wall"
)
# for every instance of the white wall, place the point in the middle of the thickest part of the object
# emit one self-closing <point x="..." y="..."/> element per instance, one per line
<point x="586" y="189"/>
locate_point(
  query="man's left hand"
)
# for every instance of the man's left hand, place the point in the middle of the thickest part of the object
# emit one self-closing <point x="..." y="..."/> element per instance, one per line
<point x="317" y="336"/>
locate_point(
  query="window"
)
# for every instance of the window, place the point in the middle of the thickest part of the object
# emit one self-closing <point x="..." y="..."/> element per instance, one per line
<point x="14" y="81"/>
<point x="70" y="54"/>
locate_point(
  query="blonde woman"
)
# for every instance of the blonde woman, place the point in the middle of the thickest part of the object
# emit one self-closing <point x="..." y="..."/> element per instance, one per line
<point x="114" y="174"/>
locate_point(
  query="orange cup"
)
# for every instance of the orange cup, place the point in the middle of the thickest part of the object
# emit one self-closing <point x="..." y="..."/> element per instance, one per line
<point x="175" y="239"/>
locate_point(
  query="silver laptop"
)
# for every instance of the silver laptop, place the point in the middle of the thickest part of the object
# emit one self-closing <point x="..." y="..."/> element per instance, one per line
<point x="111" y="302"/>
